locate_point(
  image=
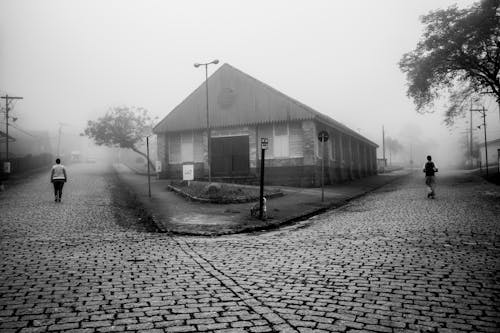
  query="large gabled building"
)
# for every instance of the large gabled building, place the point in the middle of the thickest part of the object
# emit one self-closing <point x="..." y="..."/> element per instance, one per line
<point x="242" y="110"/>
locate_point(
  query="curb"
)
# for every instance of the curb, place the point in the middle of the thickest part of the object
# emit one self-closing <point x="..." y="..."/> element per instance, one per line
<point x="167" y="227"/>
<point x="283" y="222"/>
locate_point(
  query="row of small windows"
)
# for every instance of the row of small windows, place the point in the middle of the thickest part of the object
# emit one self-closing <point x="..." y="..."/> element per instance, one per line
<point x="285" y="141"/>
<point x="188" y="147"/>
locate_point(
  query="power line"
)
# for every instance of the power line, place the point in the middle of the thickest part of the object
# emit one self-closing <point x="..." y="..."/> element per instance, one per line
<point x="7" y="98"/>
<point x="24" y="131"/>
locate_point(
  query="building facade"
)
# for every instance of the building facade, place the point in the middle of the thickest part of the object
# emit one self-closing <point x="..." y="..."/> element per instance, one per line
<point x="493" y="147"/>
<point x="242" y="111"/>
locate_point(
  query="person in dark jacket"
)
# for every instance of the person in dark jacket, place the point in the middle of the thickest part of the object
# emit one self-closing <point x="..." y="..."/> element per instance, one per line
<point x="430" y="170"/>
<point x="58" y="177"/>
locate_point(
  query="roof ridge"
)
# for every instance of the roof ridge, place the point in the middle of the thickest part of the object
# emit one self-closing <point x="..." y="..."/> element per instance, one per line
<point x="188" y="96"/>
<point x="307" y="109"/>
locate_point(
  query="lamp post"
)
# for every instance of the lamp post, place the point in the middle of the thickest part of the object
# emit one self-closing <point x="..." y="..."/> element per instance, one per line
<point x="59" y="138"/>
<point x="149" y="173"/>
<point x="215" y="62"/>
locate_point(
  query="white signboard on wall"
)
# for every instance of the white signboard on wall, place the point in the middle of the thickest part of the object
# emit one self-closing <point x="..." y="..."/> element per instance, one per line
<point x="6" y="167"/>
<point x="188" y="172"/>
<point x="158" y="166"/>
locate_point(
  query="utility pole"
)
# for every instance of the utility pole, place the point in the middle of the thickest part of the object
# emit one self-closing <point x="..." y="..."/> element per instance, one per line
<point x="7" y="97"/>
<point x="59" y="138"/>
<point x="383" y="146"/>
<point x="411" y="157"/>
<point x="470" y="136"/>
<point x="483" y="114"/>
<point x="485" y="141"/>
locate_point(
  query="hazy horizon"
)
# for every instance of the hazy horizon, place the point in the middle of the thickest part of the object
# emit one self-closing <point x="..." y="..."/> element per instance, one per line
<point x="72" y="60"/>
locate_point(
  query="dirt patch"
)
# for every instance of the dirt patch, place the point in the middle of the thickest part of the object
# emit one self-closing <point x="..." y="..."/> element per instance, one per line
<point x="129" y="212"/>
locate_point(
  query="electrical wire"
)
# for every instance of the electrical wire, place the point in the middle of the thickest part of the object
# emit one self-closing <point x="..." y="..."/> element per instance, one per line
<point x="24" y="131"/>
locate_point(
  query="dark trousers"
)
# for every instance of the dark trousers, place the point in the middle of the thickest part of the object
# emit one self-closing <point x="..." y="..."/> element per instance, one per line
<point x="58" y="186"/>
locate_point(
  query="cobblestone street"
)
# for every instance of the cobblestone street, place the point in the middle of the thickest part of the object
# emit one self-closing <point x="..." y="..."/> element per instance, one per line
<point x="392" y="261"/>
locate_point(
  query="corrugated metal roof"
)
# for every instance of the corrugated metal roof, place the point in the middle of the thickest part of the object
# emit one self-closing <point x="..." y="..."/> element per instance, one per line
<point x="237" y="99"/>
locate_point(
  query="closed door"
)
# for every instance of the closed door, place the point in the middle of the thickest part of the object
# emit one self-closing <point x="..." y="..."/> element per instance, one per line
<point x="230" y="156"/>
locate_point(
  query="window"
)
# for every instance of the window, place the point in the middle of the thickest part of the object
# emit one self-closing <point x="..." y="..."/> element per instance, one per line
<point x="187" y="147"/>
<point x="331" y="148"/>
<point x="280" y="143"/>
<point x="174" y="149"/>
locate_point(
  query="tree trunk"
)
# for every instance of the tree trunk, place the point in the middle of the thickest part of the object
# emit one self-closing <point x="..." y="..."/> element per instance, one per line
<point x="145" y="156"/>
<point x="498" y="101"/>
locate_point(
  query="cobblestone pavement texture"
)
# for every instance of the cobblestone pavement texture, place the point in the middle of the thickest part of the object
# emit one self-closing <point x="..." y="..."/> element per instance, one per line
<point x="392" y="261"/>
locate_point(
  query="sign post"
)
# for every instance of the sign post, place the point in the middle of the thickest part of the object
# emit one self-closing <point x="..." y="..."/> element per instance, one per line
<point x="149" y="173"/>
<point x="498" y="160"/>
<point x="158" y="169"/>
<point x="263" y="145"/>
<point x="323" y="138"/>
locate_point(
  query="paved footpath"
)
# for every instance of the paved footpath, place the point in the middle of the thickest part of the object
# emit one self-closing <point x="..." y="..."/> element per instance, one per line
<point x="392" y="261"/>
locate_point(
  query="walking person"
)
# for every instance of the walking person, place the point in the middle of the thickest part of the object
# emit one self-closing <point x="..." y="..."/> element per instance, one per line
<point x="430" y="180"/>
<point x="58" y="177"/>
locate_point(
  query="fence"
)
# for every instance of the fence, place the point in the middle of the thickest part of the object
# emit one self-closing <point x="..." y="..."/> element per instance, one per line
<point x="24" y="164"/>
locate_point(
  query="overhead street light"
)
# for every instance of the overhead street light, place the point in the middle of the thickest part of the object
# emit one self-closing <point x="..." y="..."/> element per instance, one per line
<point x="215" y="62"/>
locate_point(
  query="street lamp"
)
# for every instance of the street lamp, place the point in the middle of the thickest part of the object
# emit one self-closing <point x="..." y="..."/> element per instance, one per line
<point x="215" y="62"/>
<point x="147" y="162"/>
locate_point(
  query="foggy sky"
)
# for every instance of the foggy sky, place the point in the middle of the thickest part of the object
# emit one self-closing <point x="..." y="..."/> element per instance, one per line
<point x="72" y="59"/>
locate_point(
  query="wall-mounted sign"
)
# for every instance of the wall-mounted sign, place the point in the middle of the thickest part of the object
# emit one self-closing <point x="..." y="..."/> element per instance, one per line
<point x="6" y="167"/>
<point x="158" y="166"/>
<point x="188" y="172"/>
<point x="323" y="136"/>
<point x="264" y="143"/>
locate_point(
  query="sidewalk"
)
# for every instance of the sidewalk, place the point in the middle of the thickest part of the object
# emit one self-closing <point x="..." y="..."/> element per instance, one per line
<point x="173" y="213"/>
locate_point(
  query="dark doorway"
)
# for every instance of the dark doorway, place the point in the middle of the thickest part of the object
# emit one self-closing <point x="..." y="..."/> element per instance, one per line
<point x="230" y="156"/>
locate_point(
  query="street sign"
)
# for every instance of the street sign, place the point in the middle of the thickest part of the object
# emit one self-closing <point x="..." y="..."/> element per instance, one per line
<point x="323" y="136"/>
<point x="264" y="143"/>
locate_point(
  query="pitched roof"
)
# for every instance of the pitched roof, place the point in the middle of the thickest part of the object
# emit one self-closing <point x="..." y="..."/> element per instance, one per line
<point x="490" y="142"/>
<point x="237" y="99"/>
<point x="3" y="137"/>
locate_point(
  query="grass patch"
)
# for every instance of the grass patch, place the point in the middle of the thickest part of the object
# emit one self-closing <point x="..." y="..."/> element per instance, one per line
<point x="129" y="212"/>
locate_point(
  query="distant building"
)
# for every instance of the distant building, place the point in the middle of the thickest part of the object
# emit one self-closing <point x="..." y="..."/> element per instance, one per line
<point x="23" y="143"/>
<point x="493" y="153"/>
<point x="242" y="111"/>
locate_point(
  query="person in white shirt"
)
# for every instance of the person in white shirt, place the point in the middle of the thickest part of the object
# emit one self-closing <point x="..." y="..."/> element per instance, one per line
<point x="58" y="178"/>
